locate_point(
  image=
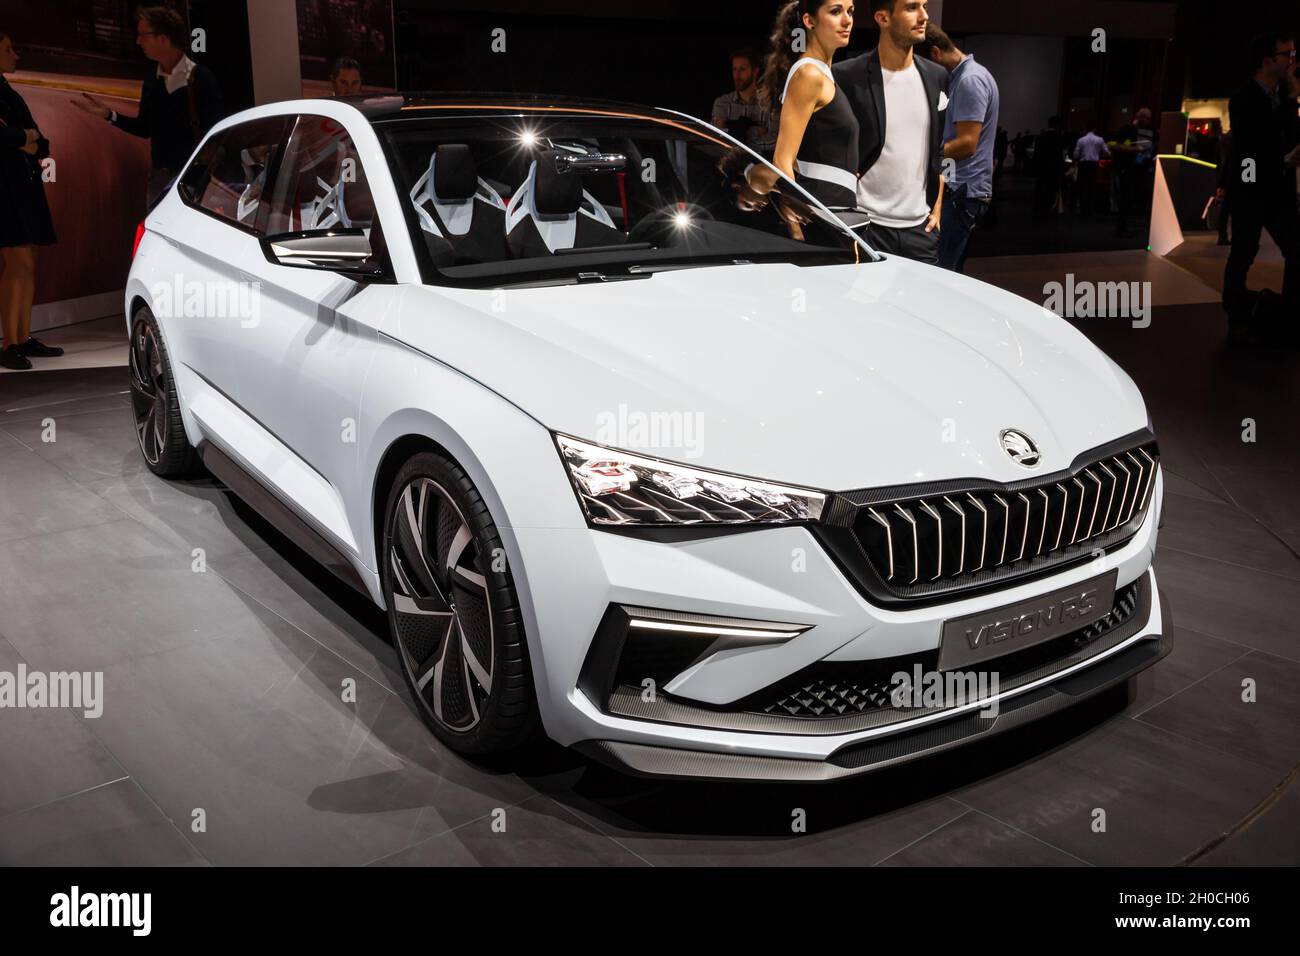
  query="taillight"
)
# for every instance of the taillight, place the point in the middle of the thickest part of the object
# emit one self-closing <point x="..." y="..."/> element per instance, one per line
<point x="139" y="234"/>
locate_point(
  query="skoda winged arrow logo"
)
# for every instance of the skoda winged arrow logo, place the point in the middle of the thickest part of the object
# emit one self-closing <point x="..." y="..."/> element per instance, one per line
<point x="1021" y="448"/>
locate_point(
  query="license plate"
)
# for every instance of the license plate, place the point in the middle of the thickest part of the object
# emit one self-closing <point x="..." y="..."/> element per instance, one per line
<point x="989" y="634"/>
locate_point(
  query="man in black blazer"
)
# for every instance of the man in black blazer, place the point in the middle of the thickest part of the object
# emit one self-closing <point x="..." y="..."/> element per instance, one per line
<point x="178" y="104"/>
<point x="899" y="99"/>
<point x="1261" y="185"/>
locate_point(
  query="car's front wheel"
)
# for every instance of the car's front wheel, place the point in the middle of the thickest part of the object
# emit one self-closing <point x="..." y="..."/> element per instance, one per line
<point x="453" y="610"/>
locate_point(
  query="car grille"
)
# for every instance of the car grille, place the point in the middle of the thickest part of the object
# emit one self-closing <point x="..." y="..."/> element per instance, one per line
<point x="930" y="541"/>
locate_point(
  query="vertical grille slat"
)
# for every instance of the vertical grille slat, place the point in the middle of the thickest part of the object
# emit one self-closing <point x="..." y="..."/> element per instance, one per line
<point x="938" y="537"/>
<point x="984" y="533"/>
<point x="961" y="548"/>
<point x="916" y="548"/>
<point x="1096" y="501"/>
<point x="1065" y="509"/>
<point x="1024" y="537"/>
<point x="1042" y="534"/>
<point x="889" y="539"/>
<point x="1128" y="479"/>
<point x="1151" y="465"/>
<point x="1110" y="500"/>
<point x="1137" y="486"/>
<point x="1039" y="524"/>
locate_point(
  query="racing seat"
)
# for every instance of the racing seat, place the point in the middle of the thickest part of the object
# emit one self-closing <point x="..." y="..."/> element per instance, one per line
<point x="458" y="209"/>
<point x="551" y="211"/>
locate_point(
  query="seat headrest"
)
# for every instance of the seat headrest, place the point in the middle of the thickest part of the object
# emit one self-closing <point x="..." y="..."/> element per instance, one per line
<point x="455" y="175"/>
<point x="555" y="193"/>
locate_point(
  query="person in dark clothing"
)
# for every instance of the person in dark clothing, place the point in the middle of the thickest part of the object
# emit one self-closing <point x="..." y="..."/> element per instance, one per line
<point x="24" y="218"/>
<point x="1262" y="184"/>
<point x="899" y="99"/>
<point x="178" y="105"/>
<point x="1134" y="158"/>
<point x="1227" y="159"/>
<point x="1049" y="167"/>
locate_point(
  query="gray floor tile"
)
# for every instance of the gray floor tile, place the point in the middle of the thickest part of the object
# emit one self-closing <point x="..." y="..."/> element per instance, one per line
<point x="1266" y="491"/>
<point x="46" y="753"/>
<point x="113" y="825"/>
<point x="16" y="411"/>
<point x="1226" y="533"/>
<point x="975" y="839"/>
<point x="324" y="607"/>
<point x="764" y="836"/>
<point x="190" y="514"/>
<point x="1270" y="839"/>
<point x="254" y="730"/>
<point x="1163" y="795"/>
<point x="1237" y="604"/>
<point x="1194" y="657"/>
<point x="85" y="598"/>
<point x="449" y="788"/>
<point x="1213" y="712"/>
<point x="538" y="832"/>
<point x="1176" y="484"/>
<point x="86" y="446"/>
<point x="37" y="499"/>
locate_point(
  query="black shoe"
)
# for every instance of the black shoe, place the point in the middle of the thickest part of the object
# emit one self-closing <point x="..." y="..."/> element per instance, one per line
<point x="35" y="348"/>
<point x="10" y="357"/>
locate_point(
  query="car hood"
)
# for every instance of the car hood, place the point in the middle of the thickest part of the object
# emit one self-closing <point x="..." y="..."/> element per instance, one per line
<point x="833" y="377"/>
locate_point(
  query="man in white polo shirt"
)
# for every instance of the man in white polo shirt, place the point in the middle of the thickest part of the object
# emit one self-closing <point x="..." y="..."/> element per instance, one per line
<point x="899" y="100"/>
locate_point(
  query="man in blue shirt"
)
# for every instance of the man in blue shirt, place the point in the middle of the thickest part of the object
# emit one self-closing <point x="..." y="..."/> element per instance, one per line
<point x="969" y="138"/>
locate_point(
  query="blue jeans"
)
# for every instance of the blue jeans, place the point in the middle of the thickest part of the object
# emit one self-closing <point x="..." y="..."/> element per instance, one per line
<point x="961" y="215"/>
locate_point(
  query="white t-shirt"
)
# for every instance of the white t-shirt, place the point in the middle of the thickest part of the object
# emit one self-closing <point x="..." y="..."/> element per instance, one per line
<point x="892" y="192"/>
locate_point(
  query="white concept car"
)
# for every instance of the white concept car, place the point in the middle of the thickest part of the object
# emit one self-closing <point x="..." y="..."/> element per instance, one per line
<point x="689" y="479"/>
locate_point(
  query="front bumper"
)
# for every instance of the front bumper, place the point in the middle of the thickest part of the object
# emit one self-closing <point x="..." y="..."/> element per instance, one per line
<point x="782" y="575"/>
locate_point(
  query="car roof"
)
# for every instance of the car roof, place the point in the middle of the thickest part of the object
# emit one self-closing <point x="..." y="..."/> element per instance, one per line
<point x="395" y="106"/>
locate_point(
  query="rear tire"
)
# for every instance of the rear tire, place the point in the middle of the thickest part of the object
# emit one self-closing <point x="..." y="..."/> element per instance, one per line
<point x="155" y="406"/>
<point x="453" y="610"/>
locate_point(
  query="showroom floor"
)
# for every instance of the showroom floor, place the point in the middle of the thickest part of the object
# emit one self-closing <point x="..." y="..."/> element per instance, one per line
<point x="225" y="740"/>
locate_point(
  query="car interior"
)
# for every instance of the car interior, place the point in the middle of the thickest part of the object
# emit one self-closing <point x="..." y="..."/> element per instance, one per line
<point x="493" y="200"/>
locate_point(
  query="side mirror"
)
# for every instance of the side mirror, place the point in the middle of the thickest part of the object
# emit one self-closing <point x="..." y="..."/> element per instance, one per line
<point x="348" y="251"/>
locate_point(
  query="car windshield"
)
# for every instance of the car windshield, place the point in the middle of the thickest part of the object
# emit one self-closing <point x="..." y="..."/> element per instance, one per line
<point x="594" y="196"/>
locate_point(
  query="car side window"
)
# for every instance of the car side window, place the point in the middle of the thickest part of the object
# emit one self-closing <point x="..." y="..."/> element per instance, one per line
<point x="321" y="183"/>
<point x="228" y="176"/>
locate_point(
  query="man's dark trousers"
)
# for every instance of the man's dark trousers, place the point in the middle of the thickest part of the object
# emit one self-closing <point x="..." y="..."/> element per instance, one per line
<point x="961" y="217"/>
<point x="1249" y="220"/>
<point x="914" y="243"/>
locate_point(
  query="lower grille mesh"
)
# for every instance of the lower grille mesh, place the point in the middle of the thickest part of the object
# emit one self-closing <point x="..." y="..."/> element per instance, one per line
<point x="840" y="689"/>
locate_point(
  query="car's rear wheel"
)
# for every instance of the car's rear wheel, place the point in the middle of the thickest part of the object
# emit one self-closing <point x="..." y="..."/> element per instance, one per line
<point x="453" y="610"/>
<point x="155" y="407"/>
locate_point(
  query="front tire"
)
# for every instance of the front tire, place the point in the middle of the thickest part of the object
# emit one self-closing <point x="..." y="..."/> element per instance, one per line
<point x="155" y="406"/>
<point x="453" y="610"/>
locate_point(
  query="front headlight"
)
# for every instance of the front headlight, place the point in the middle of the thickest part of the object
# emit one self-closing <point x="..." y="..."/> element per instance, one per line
<point x="619" y="488"/>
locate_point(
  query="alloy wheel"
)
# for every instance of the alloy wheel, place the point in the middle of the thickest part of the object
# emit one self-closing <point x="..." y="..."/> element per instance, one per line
<point x="148" y="392"/>
<point x="444" y="626"/>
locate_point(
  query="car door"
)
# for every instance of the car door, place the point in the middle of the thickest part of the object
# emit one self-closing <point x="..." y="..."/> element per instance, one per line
<point x="205" y="294"/>
<point x="303" y="363"/>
